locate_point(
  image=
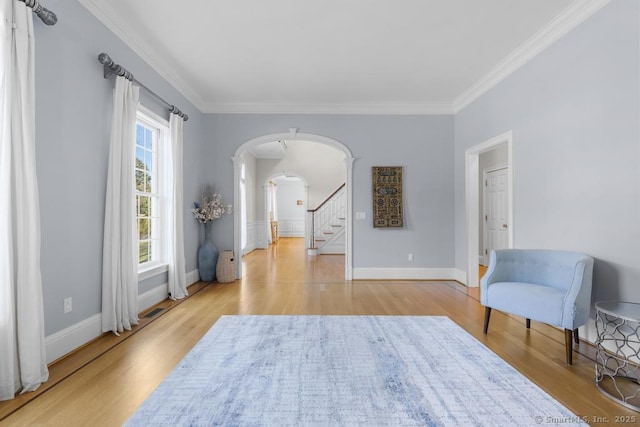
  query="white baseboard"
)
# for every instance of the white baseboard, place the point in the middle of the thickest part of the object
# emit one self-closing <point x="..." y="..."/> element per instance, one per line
<point x="291" y="227"/>
<point x="161" y="292"/>
<point x="153" y="297"/>
<point x="483" y="260"/>
<point x="250" y="248"/>
<point x="460" y="276"/>
<point x="68" y="339"/>
<point x="290" y="234"/>
<point x="193" y="277"/>
<point x="588" y="332"/>
<point x="405" y="274"/>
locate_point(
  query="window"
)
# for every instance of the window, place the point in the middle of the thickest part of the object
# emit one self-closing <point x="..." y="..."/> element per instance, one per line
<point x="150" y="170"/>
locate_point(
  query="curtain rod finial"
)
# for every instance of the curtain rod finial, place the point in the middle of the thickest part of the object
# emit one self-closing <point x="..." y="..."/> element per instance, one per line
<point x="48" y="17"/>
<point x="104" y="59"/>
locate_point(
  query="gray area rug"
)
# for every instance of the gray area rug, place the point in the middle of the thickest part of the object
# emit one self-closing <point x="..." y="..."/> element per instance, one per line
<point x="343" y="371"/>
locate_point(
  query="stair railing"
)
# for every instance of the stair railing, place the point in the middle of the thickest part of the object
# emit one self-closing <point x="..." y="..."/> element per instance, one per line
<point x="326" y="212"/>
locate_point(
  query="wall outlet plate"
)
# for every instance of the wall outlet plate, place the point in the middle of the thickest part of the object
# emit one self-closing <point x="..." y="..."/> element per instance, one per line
<point x="68" y="305"/>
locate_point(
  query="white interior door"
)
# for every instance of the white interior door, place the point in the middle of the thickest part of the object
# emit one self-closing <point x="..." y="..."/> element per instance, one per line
<point x="495" y="211"/>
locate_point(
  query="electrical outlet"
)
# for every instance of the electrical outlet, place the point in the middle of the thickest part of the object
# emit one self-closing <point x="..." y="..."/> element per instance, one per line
<point x="361" y="215"/>
<point x="68" y="305"/>
<point x="410" y="257"/>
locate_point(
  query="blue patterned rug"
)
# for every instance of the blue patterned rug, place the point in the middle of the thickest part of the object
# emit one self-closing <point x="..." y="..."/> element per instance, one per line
<point x="343" y="371"/>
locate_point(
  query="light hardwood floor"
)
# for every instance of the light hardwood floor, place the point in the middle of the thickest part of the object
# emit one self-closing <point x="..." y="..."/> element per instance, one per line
<point x="103" y="383"/>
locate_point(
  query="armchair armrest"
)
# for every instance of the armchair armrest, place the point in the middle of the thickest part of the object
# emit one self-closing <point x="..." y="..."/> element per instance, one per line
<point x="577" y="301"/>
<point x="489" y="278"/>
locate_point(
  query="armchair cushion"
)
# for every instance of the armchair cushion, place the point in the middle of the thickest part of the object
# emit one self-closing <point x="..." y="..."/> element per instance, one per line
<point x="542" y="303"/>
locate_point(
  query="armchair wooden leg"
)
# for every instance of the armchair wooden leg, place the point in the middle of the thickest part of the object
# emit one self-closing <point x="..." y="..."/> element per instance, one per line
<point x="528" y="323"/>
<point x="568" y="343"/>
<point x="576" y="337"/>
<point x="487" y="315"/>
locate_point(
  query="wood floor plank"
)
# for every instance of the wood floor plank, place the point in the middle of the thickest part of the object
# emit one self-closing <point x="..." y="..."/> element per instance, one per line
<point x="107" y="389"/>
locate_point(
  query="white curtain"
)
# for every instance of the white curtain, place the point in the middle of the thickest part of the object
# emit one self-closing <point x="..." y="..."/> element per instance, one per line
<point x="273" y="209"/>
<point x="120" y="252"/>
<point x="177" y="275"/>
<point x="23" y="365"/>
<point x="274" y="202"/>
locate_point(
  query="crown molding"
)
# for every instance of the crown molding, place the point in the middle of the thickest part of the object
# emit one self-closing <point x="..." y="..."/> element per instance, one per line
<point x="570" y="18"/>
<point x="388" y="109"/>
<point x="144" y="50"/>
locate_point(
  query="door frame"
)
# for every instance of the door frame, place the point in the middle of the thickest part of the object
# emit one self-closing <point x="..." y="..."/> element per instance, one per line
<point x="267" y="221"/>
<point x="293" y="135"/>
<point x="485" y="173"/>
<point x="472" y="200"/>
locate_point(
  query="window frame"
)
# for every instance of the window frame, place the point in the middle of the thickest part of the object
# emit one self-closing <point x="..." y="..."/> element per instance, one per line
<point x="160" y="127"/>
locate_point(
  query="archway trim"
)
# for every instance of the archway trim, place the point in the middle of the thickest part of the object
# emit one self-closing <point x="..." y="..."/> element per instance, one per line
<point x="293" y="135"/>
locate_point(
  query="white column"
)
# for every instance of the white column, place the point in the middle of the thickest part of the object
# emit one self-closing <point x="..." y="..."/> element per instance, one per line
<point x="307" y="224"/>
<point x="348" y="252"/>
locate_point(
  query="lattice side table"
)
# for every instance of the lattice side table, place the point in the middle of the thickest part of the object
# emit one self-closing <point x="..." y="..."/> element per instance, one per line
<point x="618" y="352"/>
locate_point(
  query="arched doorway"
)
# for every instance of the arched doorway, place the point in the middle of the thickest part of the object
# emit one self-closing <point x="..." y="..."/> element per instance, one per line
<point x="268" y="200"/>
<point x="293" y="135"/>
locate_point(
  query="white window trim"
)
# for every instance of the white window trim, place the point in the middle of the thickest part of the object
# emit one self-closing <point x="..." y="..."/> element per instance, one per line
<point x="154" y="268"/>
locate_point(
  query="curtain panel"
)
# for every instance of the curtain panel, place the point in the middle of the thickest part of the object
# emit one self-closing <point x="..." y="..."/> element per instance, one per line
<point x="22" y="347"/>
<point x="120" y="252"/>
<point x="177" y="274"/>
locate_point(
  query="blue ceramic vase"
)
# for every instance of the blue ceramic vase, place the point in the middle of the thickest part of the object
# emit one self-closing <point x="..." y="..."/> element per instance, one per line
<point x="207" y="256"/>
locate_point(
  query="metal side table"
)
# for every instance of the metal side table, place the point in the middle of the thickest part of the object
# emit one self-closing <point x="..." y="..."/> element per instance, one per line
<point x="618" y="352"/>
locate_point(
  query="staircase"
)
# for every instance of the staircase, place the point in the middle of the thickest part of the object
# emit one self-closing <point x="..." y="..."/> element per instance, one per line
<point x="328" y="224"/>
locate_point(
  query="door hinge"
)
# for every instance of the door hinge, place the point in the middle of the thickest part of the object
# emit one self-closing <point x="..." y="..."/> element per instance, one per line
<point x="486" y="217"/>
<point x="485" y="252"/>
<point x="486" y="183"/>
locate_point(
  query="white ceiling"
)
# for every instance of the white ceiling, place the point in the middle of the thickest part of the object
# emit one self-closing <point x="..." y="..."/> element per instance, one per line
<point x="270" y="150"/>
<point x="338" y="56"/>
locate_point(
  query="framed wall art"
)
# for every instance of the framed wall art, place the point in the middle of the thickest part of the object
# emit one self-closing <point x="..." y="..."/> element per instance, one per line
<point x="387" y="197"/>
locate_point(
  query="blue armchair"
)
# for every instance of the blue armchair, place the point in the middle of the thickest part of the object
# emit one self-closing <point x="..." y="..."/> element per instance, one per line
<point x="552" y="287"/>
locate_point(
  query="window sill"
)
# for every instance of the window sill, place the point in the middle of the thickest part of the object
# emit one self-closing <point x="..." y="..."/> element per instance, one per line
<point x="148" y="271"/>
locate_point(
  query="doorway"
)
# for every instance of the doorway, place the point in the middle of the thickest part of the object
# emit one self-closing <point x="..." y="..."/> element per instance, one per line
<point x="495" y="204"/>
<point x="473" y="211"/>
<point x="285" y="207"/>
<point x="294" y="136"/>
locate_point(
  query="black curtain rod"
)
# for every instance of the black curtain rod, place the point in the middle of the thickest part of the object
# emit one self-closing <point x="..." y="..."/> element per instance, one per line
<point x="43" y="13"/>
<point x="111" y="67"/>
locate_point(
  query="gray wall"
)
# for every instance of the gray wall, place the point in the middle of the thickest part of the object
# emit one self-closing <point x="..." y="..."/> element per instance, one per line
<point x="255" y="192"/>
<point x="574" y="112"/>
<point x="289" y="212"/>
<point x="73" y="122"/>
<point x="422" y="144"/>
